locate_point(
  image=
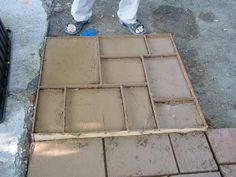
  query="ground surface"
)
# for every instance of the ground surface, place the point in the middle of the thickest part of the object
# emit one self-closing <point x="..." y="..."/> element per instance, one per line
<point x="204" y="32"/>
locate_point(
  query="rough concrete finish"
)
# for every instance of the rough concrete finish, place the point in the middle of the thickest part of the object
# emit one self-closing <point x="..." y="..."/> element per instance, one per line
<point x="228" y="170"/>
<point x="166" y="78"/>
<point x="211" y="174"/>
<point x="94" y="110"/>
<point x="193" y="153"/>
<point x="139" y="111"/>
<point x="64" y="158"/>
<point x="70" y="61"/>
<point x="122" y="46"/>
<point x="177" y="115"/>
<point x="123" y="70"/>
<point x="204" y="32"/>
<point x="28" y="22"/>
<point x="49" y="117"/>
<point x="223" y="142"/>
<point x="160" y="46"/>
<point x="139" y="156"/>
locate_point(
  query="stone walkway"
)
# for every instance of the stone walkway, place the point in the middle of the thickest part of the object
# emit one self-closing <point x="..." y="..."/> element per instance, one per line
<point x="175" y="155"/>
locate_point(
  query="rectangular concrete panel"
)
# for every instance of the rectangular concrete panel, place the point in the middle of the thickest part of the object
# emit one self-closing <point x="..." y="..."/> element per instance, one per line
<point x="67" y="158"/>
<point x="165" y="77"/>
<point x="177" y="115"/>
<point x="70" y="61"/>
<point x="139" y="156"/>
<point x="49" y="117"/>
<point x="223" y="142"/>
<point x="139" y="110"/>
<point x="123" y="46"/>
<point x="122" y="70"/>
<point x="193" y="153"/>
<point x="160" y="45"/>
<point x="228" y="170"/>
<point x="210" y="174"/>
<point x="94" y="110"/>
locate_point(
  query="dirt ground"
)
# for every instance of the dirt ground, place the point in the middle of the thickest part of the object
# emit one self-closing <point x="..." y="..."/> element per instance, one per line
<point x="204" y="32"/>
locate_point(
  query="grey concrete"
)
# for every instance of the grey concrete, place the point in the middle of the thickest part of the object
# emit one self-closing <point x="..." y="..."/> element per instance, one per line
<point x="204" y="32"/>
<point x="28" y="21"/>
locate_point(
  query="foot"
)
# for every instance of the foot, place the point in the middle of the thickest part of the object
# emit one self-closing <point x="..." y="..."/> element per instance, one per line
<point x="75" y="27"/>
<point x="136" y="28"/>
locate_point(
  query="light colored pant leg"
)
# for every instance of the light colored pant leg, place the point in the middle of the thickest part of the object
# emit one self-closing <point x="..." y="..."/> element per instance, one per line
<point x="81" y="10"/>
<point x="128" y="10"/>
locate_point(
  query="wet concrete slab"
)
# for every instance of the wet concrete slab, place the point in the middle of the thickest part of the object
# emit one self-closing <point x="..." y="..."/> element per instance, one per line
<point x="223" y="142"/>
<point x="177" y="115"/>
<point x="63" y="158"/>
<point x="228" y="170"/>
<point x="193" y="153"/>
<point x="139" y="156"/>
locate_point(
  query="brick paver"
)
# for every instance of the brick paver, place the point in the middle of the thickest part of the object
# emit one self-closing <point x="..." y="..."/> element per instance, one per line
<point x="223" y="142"/>
<point x="139" y="156"/>
<point x="228" y="170"/>
<point x="210" y="174"/>
<point x="193" y="153"/>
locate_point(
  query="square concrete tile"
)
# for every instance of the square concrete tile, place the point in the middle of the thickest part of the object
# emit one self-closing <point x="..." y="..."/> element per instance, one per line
<point x="160" y="45"/>
<point x="193" y="153"/>
<point x="49" y="115"/>
<point x="223" y="142"/>
<point x="228" y="170"/>
<point x="67" y="158"/>
<point x="94" y="110"/>
<point x="70" y="61"/>
<point x="138" y="107"/>
<point x="139" y="156"/>
<point x="124" y="70"/>
<point x="131" y="45"/>
<point x="177" y="115"/>
<point x="166" y="78"/>
<point x="210" y="174"/>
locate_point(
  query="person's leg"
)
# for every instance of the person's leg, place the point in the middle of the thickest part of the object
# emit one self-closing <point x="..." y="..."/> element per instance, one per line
<point x="81" y="10"/>
<point x="128" y="11"/>
<point x="127" y="14"/>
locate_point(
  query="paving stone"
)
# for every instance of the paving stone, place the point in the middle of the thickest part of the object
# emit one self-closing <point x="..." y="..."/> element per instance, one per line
<point x="177" y="115"/>
<point x="228" y="170"/>
<point x="192" y="152"/>
<point x="139" y="156"/>
<point x="223" y="142"/>
<point x="210" y="174"/>
<point x="67" y="158"/>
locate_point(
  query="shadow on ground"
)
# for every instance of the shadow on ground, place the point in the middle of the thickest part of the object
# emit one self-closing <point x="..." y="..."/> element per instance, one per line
<point x="204" y="32"/>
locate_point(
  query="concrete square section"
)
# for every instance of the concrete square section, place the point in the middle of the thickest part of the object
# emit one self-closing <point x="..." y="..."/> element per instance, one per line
<point x="139" y="156"/>
<point x="64" y="158"/>
<point x="114" y="86"/>
<point x="228" y="170"/>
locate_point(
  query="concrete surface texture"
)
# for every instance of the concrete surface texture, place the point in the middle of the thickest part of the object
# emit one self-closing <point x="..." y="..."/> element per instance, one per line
<point x="204" y="32"/>
<point x="28" y="22"/>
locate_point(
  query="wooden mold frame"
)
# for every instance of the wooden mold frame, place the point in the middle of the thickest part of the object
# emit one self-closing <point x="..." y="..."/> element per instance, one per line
<point x="126" y="132"/>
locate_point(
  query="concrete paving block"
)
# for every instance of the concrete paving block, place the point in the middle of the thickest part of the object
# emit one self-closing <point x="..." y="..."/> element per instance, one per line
<point x="228" y="170"/>
<point x="166" y="78"/>
<point x="210" y="174"/>
<point x="139" y="156"/>
<point x="124" y="70"/>
<point x="67" y="158"/>
<point x="49" y="116"/>
<point x="193" y="153"/>
<point x="123" y="46"/>
<point x="223" y="142"/>
<point x="160" y="45"/>
<point x="138" y="106"/>
<point x="94" y="110"/>
<point x="177" y="115"/>
<point x="70" y="61"/>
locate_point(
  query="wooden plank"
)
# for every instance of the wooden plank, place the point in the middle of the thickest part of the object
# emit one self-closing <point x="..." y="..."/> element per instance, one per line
<point x="124" y="107"/>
